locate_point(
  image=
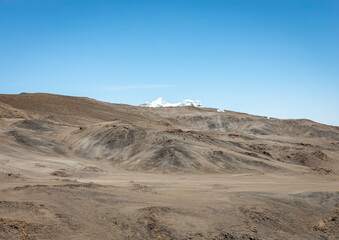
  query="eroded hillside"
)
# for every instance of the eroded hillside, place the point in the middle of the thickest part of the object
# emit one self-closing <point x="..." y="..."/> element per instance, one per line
<point x="180" y="139"/>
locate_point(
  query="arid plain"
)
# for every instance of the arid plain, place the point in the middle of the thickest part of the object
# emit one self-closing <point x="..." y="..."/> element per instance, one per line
<point x="77" y="168"/>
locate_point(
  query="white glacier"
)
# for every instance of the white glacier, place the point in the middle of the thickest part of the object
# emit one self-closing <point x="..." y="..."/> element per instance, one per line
<point x="161" y="103"/>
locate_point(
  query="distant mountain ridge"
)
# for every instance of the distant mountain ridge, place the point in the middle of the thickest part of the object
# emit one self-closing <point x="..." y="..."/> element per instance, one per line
<point x="161" y="103"/>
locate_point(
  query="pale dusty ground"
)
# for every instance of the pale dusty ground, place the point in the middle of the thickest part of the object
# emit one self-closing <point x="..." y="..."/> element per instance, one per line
<point x="131" y="205"/>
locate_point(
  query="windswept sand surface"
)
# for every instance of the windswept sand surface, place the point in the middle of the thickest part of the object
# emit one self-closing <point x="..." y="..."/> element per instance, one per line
<point x="77" y="168"/>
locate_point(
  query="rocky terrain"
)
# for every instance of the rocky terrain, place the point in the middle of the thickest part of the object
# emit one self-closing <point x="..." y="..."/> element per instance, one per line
<point x="77" y="168"/>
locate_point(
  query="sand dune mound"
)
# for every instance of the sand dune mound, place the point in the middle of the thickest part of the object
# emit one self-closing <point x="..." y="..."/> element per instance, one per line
<point x="172" y="150"/>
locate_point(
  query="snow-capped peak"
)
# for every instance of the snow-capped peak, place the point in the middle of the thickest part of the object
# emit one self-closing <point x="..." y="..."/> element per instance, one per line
<point x="161" y="103"/>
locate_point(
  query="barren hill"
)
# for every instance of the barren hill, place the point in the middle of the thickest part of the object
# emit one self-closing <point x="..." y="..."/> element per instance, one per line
<point x="78" y="168"/>
<point x="166" y="139"/>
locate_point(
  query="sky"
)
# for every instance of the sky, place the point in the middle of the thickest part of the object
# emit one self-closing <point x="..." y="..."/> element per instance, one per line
<point x="273" y="58"/>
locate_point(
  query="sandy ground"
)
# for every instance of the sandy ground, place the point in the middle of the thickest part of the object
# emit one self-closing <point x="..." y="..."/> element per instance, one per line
<point x="131" y="205"/>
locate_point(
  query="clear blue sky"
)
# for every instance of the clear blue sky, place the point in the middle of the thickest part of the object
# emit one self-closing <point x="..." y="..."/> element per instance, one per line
<point x="275" y="58"/>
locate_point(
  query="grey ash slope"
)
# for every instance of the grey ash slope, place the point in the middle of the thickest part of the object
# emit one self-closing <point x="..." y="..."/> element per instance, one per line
<point x="180" y="139"/>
